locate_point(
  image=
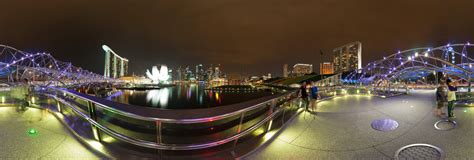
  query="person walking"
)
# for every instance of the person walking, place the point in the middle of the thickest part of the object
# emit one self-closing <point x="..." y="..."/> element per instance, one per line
<point x="304" y="95"/>
<point x="451" y="97"/>
<point x="441" y="98"/>
<point x="314" y="96"/>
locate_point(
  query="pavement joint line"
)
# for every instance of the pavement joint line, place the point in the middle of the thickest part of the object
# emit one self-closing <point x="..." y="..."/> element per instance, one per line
<point x="422" y="118"/>
<point x="80" y="139"/>
<point x="42" y="125"/>
<point x="55" y="148"/>
<point x="390" y="116"/>
<point x="381" y="152"/>
<point x="406" y="132"/>
<point x="357" y="149"/>
<point x="274" y="137"/>
<point x="301" y="133"/>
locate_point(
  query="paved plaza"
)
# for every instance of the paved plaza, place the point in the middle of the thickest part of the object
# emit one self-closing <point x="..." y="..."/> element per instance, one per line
<point x="341" y="129"/>
<point x="48" y="138"/>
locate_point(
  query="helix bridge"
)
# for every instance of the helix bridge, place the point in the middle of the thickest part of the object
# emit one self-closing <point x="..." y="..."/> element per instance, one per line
<point x="41" y="69"/>
<point x="451" y="60"/>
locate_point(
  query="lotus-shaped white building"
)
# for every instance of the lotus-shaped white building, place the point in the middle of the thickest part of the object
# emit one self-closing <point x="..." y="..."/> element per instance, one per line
<point x="158" y="76"/>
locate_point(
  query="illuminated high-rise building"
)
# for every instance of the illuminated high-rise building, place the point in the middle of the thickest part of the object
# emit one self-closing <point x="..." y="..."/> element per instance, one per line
<point x="188" y="74"/>
<point x="326" y="68"/>
<point x="285" y="70"/>
<point x="302" y="69"/>
<point x="115" y="66"/>
<point x="200" y="74"/>
<point x="348" y="57"/>
<point x="217" y="72"/>
<point x="210" y="72"/>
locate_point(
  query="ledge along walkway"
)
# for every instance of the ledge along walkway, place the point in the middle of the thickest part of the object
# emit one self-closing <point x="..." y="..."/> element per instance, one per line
<point x="341" y="129"/>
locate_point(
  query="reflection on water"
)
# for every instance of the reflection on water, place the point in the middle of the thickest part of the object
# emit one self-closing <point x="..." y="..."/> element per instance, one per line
<point x="161" y="96"/>
<point x="185" y="96"/>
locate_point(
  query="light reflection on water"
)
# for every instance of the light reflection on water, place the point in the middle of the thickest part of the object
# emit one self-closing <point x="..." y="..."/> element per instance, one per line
<point x="158" y="96"/>
<point x="185" y="96"/>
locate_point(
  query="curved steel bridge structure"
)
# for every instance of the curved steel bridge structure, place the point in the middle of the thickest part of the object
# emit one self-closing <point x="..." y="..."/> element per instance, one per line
<point x="450" y="59"/>
<point x="41" y="68"/>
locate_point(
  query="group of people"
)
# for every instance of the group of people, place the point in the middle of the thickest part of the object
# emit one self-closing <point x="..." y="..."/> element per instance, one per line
<point x="446" y="93"/>
<point x="309" y="100"/>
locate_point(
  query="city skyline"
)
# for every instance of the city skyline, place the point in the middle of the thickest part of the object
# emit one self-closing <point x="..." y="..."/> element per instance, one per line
<point x="178" y="33"/>
<point x="236" y="79"/>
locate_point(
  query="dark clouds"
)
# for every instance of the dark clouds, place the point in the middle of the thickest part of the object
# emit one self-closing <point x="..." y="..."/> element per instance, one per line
<point x="245" y="36"/>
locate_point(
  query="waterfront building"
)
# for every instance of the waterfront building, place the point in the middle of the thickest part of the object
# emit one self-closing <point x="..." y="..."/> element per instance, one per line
<point x="326" y="68"/>
<point x="188" y="74"/>
<point x="300" y="69"/>
<point x="268" y="76"/>
<point x="115" y="66"/>
<point x="348" y="57"/>
<point x="200" y="74"/>
<point x="210" y="72"/>
<point x="217" y="72"/>
<point x="158" y="76"/>
<point x="285" y="70"/>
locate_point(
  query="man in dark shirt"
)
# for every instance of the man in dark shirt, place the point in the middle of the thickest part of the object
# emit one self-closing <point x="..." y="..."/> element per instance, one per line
<point x="304" y="96"/>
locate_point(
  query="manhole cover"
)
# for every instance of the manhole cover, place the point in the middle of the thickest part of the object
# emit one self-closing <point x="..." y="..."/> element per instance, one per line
<point x="445" y="125"/>
<point x="384" y="125"/>
<point x="419" y="151"/>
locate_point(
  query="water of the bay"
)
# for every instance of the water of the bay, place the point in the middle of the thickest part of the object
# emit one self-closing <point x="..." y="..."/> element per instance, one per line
<point x="185" y="96"/>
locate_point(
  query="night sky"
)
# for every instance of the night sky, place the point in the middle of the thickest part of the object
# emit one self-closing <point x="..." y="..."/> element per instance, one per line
<point x="245" y="36"/>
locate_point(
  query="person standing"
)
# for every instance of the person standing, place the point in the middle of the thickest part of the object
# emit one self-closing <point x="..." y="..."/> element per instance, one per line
<point x="304" y="95"/>
<point x="451" y="97"/>
<point x="314" y="96"/>
<point x="21" y="94"/>
<point x="441" y="98"/>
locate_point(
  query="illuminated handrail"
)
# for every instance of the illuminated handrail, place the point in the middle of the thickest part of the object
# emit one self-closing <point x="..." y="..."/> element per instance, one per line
<point x="100" y="102"/>
<point x="155" y="145"/>
<point x="273" y="110"/>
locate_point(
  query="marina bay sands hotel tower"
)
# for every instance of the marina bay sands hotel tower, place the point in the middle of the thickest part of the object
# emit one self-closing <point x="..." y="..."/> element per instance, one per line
<point x="115" y="66"/>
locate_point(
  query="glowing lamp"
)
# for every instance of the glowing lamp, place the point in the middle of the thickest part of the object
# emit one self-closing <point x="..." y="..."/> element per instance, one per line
<point x="32" y="131"/>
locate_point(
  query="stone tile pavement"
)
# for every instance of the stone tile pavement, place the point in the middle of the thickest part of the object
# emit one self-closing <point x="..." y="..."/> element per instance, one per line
<point x="341" y="129"/>
<point x="51" y="141"/>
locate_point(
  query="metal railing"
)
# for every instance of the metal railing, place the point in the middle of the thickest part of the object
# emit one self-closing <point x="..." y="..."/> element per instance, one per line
<point x="181" y="129"/>
<point x="164" y="133"/>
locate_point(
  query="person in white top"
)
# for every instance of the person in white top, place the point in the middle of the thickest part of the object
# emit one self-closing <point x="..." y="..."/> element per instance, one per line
<point x="451" y="97"/>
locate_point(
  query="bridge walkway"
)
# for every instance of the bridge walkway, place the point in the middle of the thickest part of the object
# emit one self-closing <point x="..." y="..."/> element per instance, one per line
<point x="37" y="134"/>
<point x="341" y="129"/>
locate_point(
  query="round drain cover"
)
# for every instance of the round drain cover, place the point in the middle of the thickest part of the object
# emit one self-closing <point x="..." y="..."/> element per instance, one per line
<point x="384" y="125"/>
<point x="445" y="125"/>
<point x="419" y="151"/>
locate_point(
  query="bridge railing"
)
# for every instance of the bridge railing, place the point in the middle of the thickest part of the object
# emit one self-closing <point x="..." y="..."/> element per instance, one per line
<point x="167" y="129"/>
<point x="112" y="122"/>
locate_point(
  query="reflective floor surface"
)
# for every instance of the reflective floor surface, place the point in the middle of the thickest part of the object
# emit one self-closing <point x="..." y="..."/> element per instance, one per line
<point x="37" y="134"/>
<point x="341" y="129"/>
